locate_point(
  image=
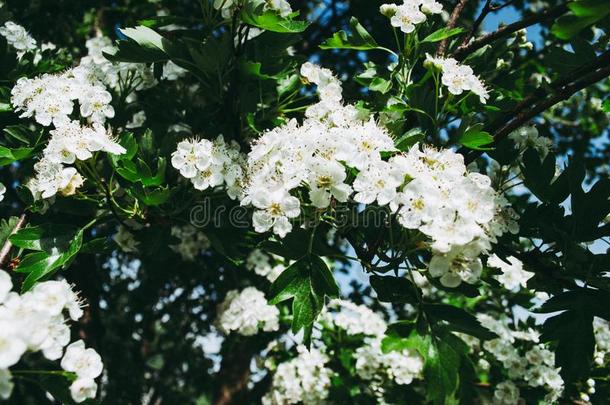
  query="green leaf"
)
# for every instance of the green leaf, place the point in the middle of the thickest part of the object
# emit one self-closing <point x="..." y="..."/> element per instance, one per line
<point x="584" y="14"/>
<point x="443" y="33"/>
<point x="49" y="238"/>
<point x="474" y="138"/>
<point x="144" y="45"/>
<point x="406" y="141"/>
<point x="270" y="20"/>
<point x="42" y="264"/>
<point x="458" y="320"/>
<point x="442" y="359"/>
<point x="6" y="228"/>
<point x="589" y="8"/>
<point x="573" y="332"/>
<point x="307" y="282"/>
<point x="393" y="289"/>
<point x="358" y="38"/>
<point x="8" y="156"/>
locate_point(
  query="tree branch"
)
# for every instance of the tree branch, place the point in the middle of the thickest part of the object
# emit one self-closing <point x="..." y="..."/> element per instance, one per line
<point x="457" y="11"/>
<point x="536" y="105"/>
<point x="466" y="49"/>
<point x="6" y="249"/>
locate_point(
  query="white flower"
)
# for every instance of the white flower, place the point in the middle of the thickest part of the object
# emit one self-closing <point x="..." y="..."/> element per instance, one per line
<point x="2" y="191"/>
<point x="86" y="363"/>
<point x="275" y="211"/>
<point x="376" y="183"/>
<point x="172" y="72"/>
<point x="192" y="156"/>
<point x="6" y="384"/>
<point x="82" y="389"/>
<point x="356" y="319"/>
<point x="326" y="181"/>
<point x="262" y="264"/>
<point x="53" y="178"/>
<point x="513" y="276"/>
<point x="11" y="347"/>
<point x="419" y="203"/>
<point x="95" y="103"/>
<point x="126" y="240"/>
<point x="458" y="78"/>
<point x="506" y="393"/>
<point x="17" y="37"/>
<point x="137" y="121"/>
<point x="304" y="379"/>
<point x="6" y="285"/>
<point x="247" y="312"/>
<point x="400" y="366"/>
<point x="457" y="265"/>
<point x="431" y="7"/>
<point x="407" y="16"/>
<point x="525" y="137"/>
<point x="192" y="242"/>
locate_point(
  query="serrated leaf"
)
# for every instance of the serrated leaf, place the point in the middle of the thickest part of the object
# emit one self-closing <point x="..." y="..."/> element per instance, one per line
<point x="393" y="289"/>
<point x="358" y="38"/>
<point x="476" y="139"/>
<point x="271" y="20"/>
<point x="308" y="281"/>
<point x="443" y="33"/>
<point x="50" y="238"/>
<point x="42" y="264"/>
<point x="458" y="320"/>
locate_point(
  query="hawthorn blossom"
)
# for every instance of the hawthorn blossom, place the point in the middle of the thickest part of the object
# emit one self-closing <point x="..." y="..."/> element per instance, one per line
<point x="303" y="379"/>
<point x="513" y="276"/>
<point x="246" y="312"/>
<point x="458" y="78"/>
<point x="18" y="37"/>
<point x="85" y="363"/>
<point x="506" y="393"/>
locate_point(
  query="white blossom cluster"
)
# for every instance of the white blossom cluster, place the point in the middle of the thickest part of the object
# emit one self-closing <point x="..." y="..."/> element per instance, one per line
<point x="247" y="312"/>
<point x="371" y="363"/>
<point x="69" y="143"/>
<point x="355" y="319"/>
<point x="192" y="242"/>
<point x="209" y="164"/>
<point x="601" y="328"/>
<point x="523" y="357"/>
<point x="228" y="7"/>
<point x="115" y="75"/>
<point x="513" y="276"/>
<point x="49" y="98"/>
<point x="315" y="154"/>
<point x="459" y="211"/>
<point x="506" y="393"/>
<point x="411" y="13"/>
<point x="399" y="366"/>
<point x="18" y="37"/>
<point x="265" y="265"/>
<point x="2" y="191"/>
<point x="525" y="137"/>
<point x="304" y="379"/>
<point x="458" y="78"/>
<point x="35" y="322"/>
<point x="430" y="190"/>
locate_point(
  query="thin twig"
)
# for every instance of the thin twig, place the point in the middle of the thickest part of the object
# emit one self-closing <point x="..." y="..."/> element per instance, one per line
<point x="487" y="8"/>
<point x="6" y="249"/>
<point x="457" y="11"/>
<point x="466" y="49"/>
<point x="542" y="104"/>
